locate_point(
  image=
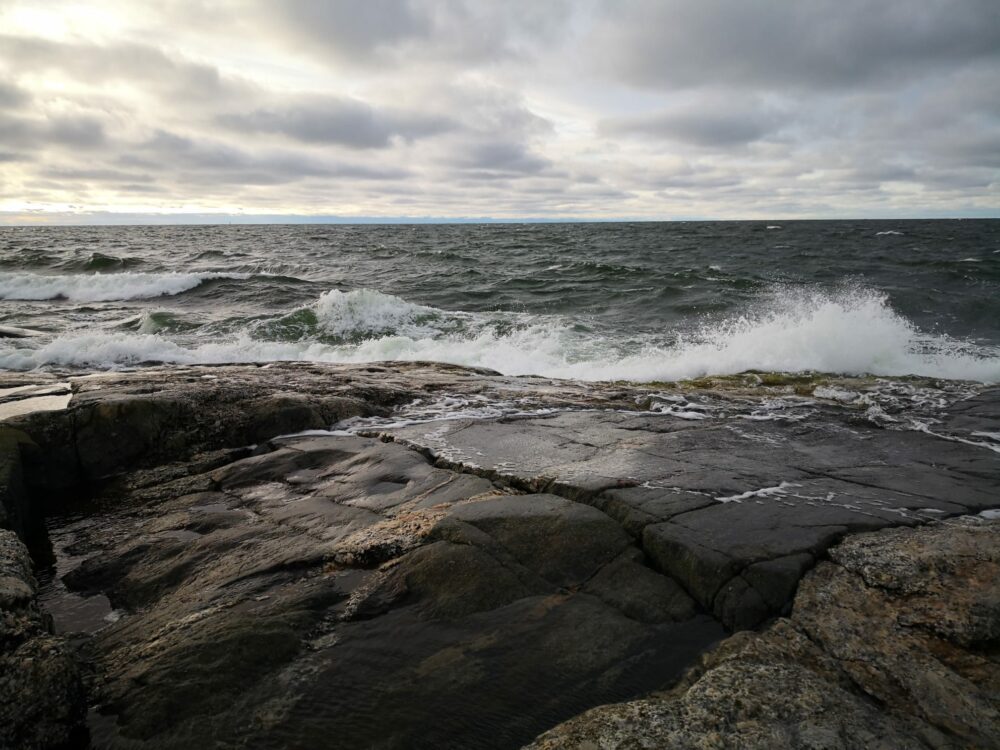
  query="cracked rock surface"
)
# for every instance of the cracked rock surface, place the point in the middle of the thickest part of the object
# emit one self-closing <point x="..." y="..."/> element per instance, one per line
<point x="891" y="644"/>
<point x="472" y="579"/>
<point x="340" y="582"/>
<point x="734" y="516"/>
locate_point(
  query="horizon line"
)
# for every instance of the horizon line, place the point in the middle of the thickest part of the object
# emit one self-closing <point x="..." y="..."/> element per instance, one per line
<point x="122" y="219"/>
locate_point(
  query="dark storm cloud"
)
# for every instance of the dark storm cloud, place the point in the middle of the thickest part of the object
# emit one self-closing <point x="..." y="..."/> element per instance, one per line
<point x="347" y="122"/>
<point x="807" y="43"/>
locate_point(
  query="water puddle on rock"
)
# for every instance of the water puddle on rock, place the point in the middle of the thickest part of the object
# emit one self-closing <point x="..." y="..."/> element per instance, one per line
<point x="71" y="612"/>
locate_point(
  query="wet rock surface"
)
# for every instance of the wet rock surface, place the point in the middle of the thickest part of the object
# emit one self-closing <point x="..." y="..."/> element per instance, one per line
<point x="891" y="644"/>
<point x="341" y="582"/>
<point x="733" y="512"/>
<point x="42" y="698"/>
<point x="470" y="559"/>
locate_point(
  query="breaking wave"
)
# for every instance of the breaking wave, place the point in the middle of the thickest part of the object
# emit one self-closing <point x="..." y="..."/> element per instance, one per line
<point x="853" y="331"/>
<point x="367" y="313"/>
<point x="101" y="287"/>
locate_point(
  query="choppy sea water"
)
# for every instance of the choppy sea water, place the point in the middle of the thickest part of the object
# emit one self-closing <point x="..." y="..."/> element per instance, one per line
<point x="627" y="301"/>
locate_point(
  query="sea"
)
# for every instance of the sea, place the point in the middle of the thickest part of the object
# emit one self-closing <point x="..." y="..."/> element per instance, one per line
<point x="588" y="301"/>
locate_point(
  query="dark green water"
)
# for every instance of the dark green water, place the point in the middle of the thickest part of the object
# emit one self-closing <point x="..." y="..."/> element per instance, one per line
<point x="642" y="301"/>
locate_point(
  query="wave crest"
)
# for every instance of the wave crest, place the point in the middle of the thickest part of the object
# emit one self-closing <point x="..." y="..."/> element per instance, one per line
<point x="368" y="313"/>
<point x="852" y="331"/>
<point x="101" y="287"/>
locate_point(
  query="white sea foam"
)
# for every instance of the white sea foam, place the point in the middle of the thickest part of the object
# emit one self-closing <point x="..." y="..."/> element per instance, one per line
<point x="367" y="312"/>
<point x="888" y="232"/>
<point x="780" y="489"/>
<point x="102" y="287"/>
<point x="852" y="332"/>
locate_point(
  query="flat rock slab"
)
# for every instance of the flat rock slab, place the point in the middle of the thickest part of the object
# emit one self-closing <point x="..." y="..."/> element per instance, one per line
<point x="733" y="509"/>
<point x="342" y="585"/>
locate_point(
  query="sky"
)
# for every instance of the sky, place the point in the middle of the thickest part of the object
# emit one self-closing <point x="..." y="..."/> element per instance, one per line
<point x="218" y="110"/>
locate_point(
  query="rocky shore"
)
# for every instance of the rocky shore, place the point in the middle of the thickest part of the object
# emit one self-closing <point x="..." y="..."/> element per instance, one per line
<point x="470" y="560"/>
<point x="892" y="643"/>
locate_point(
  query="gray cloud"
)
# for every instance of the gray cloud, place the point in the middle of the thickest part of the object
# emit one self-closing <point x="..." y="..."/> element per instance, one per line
<point x="498" y="158"/>
<point x="209" y="160"/>
<point x="713" y="123"/>
<point x="15" y="132"/>
<point x="457" y="107"/>
<point x="31" y="133"/>
<point x="353" y="30"/>
<point x="79" y="132"/>
<point x="12" y="97"/>
<point x="806" y="44"/>
<point x="94" y="174"/>
<point x="121" y="61"/>
<point x="398" y="32"/>
<point x="347" y="122"/>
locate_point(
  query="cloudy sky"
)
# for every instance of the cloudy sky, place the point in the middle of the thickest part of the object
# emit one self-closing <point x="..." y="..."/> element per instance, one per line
<point x="660" y="109"/>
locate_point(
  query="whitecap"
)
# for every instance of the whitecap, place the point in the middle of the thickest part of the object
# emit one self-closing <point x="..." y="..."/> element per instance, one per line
<point x="853" y="331"/>
<point x="367" y="312"/>
<point x="102" y="287"/>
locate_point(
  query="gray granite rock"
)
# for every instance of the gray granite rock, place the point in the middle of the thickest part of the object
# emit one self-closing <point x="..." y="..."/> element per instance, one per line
<point x="890" y="645"/>
<point x="471" y="582"/>
<point x="733" y="513"/>
<point x="355" y="568"/>
<point x="42" y="699"/>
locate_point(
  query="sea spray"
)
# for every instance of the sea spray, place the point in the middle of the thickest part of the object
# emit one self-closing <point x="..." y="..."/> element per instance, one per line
<point x="367" y="313"/>
<point x="851" y="331"/>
